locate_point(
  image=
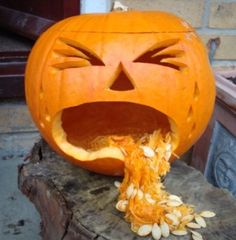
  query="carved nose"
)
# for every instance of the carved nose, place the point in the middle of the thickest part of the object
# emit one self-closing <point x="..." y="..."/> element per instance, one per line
<point x="122" y="82"/>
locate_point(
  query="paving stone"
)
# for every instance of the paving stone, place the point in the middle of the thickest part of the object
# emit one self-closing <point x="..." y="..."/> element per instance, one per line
<point x="15" y="117"/>
<point x="19" y="219"/>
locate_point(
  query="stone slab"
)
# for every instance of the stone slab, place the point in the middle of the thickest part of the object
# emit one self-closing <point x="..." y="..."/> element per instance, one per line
<point x="15" y="117"/>
<point x="19" y="219"/>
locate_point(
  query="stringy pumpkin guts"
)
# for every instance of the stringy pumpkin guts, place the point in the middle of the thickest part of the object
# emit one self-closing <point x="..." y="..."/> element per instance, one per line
<point x="146" y="204"/>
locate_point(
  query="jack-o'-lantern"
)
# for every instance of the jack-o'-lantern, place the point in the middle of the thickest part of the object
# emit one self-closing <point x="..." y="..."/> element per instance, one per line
<point x="118" y="73"/>
<point x="124" y="92"/>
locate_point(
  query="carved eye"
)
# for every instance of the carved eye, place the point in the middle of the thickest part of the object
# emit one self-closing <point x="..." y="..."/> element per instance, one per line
<point x="161" y="55"/>
<point x="75" y="56"/>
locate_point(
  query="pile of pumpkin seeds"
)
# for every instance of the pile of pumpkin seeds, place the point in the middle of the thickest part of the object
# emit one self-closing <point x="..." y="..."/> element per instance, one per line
<point x="173" y="222"/>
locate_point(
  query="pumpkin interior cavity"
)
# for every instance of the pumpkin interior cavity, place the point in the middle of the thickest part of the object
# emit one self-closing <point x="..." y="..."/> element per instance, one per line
<point x="76" y="129"/>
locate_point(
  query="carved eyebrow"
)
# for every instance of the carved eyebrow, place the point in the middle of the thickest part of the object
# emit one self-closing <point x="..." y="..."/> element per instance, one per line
<point x="160" y="55"/>
<point x="76" y="55"/>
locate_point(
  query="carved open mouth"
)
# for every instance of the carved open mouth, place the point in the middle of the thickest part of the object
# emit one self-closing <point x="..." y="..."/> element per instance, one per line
<point x="75" y="128"/>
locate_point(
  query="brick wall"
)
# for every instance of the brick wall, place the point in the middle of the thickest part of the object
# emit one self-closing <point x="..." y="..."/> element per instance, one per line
<point x="213" y="19"/>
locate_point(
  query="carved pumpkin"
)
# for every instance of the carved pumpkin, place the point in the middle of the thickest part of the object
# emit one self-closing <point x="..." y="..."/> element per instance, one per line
<point x="122" y="92"/>
<point x="126" y="73"/>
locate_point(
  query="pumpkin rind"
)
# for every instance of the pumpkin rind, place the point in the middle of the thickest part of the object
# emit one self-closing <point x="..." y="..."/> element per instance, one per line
<point x="179" y="83"/>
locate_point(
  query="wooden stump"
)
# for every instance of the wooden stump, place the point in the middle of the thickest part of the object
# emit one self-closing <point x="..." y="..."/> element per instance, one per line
<point x="77" y="204"/>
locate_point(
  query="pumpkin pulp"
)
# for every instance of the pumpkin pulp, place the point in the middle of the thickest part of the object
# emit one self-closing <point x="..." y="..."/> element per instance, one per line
<point x="142" y="194"/>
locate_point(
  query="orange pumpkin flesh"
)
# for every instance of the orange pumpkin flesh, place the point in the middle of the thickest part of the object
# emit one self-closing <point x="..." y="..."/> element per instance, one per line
<point x="96" y="85"/>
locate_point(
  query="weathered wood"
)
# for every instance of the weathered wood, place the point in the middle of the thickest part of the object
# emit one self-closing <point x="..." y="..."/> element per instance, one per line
<point x="77" y="204"/>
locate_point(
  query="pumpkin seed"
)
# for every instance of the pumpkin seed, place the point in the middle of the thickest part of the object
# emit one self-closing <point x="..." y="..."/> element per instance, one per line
<point x="193" y="225"/>
<point x="167" y="155"/>
<point x="197" y="234"/>
<point x="173" y="203"/>
<point x="168" y="147"/>
<point x="122" y="205"/>
<point x="177" y="213"/>
<point x="187" y="218"/>
<point x="147" y="195"/>
<point x="175" y="198"/>
<point x="200" y="220"/>
<point x="195" y="237"/>
<point x="165" y="230"/>
<point x="117" y="184"/>
<point x="134" y="227"/>
<point x="157" y="150"/>
<point x="129" y="190"/>
<point x="173" y="218"/>
<point x="162" y="202"/>
<point x="148" y="152"/>
<point x="179" y="232"/>
<point x="207" y="214"/>
<point x="149" y="198"/>
<point x="140" y="194"/>
<point x="134" y="193"/>
<point x="151" y="201"/>
<point x="144" y="230"/>
<point x="156" y="231"/>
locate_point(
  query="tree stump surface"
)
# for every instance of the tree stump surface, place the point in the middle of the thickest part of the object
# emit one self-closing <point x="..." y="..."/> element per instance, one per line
<point x="77" y="204"/>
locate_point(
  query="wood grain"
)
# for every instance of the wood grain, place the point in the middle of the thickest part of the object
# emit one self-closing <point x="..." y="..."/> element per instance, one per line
<point x="77" y="204"/>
